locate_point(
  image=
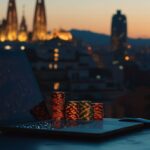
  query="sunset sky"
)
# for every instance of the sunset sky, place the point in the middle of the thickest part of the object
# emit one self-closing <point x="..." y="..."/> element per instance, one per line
<point x="94" y="15"/>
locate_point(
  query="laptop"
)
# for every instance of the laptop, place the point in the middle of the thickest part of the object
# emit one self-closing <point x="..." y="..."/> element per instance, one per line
<point x="19" y="91"/>
<point x="19" y="94"/>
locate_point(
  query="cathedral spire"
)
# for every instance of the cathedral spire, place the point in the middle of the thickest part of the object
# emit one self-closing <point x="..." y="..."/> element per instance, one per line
<point x="12" y="21"/>
<point x="23" y="25"/>
<point x="23" y="31"/>
<point x="40" y="22"/>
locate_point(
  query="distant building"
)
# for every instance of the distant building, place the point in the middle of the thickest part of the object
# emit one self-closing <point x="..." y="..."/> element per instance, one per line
<point x="12" y="21"/>
<point x="119" y="34"/>
<point x="40" y="22"/>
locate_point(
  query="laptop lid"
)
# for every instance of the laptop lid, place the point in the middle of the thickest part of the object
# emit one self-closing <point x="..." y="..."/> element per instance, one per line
<point x="19" y="91"/>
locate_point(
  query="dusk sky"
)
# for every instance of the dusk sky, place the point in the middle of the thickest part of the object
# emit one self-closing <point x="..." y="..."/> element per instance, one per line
<point x="94" y="15"/>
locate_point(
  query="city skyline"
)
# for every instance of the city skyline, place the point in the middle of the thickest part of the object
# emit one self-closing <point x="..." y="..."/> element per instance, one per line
<point x="69" y="14"/>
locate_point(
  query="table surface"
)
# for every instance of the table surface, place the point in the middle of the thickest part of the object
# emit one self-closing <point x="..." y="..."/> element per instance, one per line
<point x="139" y="140"/>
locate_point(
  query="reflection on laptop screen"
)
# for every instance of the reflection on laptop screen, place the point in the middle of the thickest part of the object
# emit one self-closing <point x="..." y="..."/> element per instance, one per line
<point x="19" y="92"/>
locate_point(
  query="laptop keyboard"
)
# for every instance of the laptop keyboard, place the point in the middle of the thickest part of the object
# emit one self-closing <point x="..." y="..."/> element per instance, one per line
<point x="45" y="125"/>
<point x="54" y="125"/>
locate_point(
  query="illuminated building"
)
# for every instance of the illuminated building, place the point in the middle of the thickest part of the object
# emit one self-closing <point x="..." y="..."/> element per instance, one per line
<point x="3" y="31"/>
<point x="60" y="34"/>
<point x="119" y="33"/>
<point x="23" y="32"/>
<point x="12" y="21"/>
<point x="40" y="22"/>
<point x="9" y="28"/>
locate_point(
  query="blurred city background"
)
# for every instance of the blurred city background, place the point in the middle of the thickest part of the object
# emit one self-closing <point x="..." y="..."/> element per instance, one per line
<point x="110" y="64"/>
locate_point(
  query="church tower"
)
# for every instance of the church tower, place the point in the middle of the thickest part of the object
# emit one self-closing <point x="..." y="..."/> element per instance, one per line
<point x="40" y="22"/>
<point x="12" y="21"/>
<point x="23" y="31"/>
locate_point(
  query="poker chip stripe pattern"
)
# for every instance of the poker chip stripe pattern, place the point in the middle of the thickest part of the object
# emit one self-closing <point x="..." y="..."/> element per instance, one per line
<point x="98" y="112"/>
<point x="72" y="111"/>
<point x="86" y="111"/>
<point x="58" y="104"/>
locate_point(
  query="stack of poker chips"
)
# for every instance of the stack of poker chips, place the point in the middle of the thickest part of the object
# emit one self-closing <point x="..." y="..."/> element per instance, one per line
<point x="72" y="111"/>
<point x="98" y="111"/>
<point x="55" y="109"/>
<point x="57" y="105"/>
<point x="85" y="110"/>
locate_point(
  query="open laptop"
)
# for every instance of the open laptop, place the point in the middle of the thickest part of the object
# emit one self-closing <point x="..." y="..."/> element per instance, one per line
<point x="19" y="93"/>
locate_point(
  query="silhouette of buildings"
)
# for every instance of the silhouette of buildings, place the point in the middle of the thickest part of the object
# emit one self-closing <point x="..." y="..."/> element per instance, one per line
<point x="67" y="66"/>
<point x="40" y="22"/>
<point x="119" y="34"/>
<point x="12" y="21"/>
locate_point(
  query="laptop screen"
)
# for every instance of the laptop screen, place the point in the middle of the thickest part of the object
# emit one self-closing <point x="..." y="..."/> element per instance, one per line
<point x="19" y="92"/>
